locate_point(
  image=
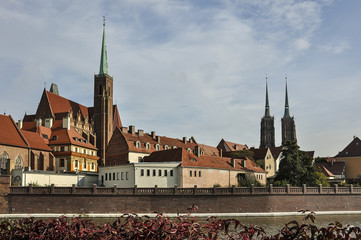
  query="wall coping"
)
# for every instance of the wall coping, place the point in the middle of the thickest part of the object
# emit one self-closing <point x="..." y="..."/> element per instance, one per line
<point x="95" y="190"/>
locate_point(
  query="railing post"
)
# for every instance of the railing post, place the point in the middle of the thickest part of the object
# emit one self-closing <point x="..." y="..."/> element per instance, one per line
<point x="175" y="189"/>
<point x="271" y="189"/>
<point x="288" y="189"/>
<point x="214" y="189"/>
<point x="233" y="189"/>
<point x="94" y="189"/>
<point x="115" y="189"/>
<point x="304" y="188"/>
<point x="30" y="188"/>
<point x="252" y="188"/>
<point x="351" y="188"/>
<point x="336" y="188"/>
<point x="155" y="189"/>
<point x="52" y="189"/>
<point x="320" y="188"/>
<point x="135" y="189"/>
<point x="73" y="189"/>
<point x="195" y="189"/>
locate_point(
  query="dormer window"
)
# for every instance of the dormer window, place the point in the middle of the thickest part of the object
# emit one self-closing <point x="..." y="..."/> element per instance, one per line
<point x="157" y="147"/>
<point x="75" y="139"/>
<point x="202" y="152"/>
<point x="166" y="147"/>
<point x="189" y="150"/>
<point x="55" y="137"/>
<point x="147" y="145"/>
<point x="137" y="144"/>
<point x="174" y="147"/>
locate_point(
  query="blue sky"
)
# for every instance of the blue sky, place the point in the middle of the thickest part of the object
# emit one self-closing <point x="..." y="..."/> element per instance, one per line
<point x="193" y="68"/>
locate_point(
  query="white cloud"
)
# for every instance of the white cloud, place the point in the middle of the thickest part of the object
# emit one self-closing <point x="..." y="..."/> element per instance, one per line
<point x="336" y="47"/>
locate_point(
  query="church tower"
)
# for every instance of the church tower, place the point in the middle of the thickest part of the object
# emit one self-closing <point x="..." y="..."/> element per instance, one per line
<point x="267" y="126"/>
<point x="103" y="104"/>
<point x="288" y="124"/>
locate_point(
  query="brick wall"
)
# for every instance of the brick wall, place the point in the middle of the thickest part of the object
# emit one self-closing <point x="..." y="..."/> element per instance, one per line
<point x="4" y="190"/>
<point x="83" y="204"/>
<point x="117" y="150"/>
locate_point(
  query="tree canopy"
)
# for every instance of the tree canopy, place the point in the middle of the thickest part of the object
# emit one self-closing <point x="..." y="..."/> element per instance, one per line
<point x="243" y="153"/>
<point x="296" y="167"/>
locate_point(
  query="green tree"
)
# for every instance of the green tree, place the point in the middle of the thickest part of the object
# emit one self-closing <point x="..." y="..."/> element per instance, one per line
<point x="243" y="153"/>
<point x="296" y="167"/>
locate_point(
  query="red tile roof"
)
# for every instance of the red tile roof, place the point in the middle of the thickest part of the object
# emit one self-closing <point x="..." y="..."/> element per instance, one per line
<point x="351" y="150"/>
<point x="9" y="132"/>
<point x="60" y="104"/>
<point x="235" y="146"/>
<point x="189" y="159"/>
<point x="35" y="141"/>
<point x="209" y="150"/>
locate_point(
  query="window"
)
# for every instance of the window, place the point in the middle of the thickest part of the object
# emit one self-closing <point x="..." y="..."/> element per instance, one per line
<point x="147" y="145"/>
<point x="113" y="176"/>
<point x="62" y="148"/>
<point x="141" y="172"/>
<point x="165" y="173"/>
<point x="140" y="159"/>
<point x="166" y="147"/>
<point x="148" y="172"/>
<point x="122" y="176"/>
<point x="189" y="150"/>
<point x="171" y="173"/>
<point x="62" y="162"/>
<point x="137" y="144"/>
<point x="157" y="147"/>
<point x="160" y="173"/>
<point x="92" y="165"/>
<point x="195" y="173"/>
<point x="126" y="176"/>
<point x="76" y="149"/>
<point x="110" y="176"/>
<point x="106" y="177"/>
<point x="117" y="175"/>
<point x="154" y="172"/>
<point x="199" y="174"/>
<point x="202" y="152"/>
<point x="45" y="136"/>
<point x="76" y="163"/>
<point x="190" y="173"/>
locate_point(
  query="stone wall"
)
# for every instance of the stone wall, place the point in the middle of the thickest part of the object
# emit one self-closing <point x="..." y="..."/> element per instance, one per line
<point x="4" y="191"/>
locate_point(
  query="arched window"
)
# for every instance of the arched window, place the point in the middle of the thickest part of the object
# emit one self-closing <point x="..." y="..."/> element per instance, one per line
<point x="189" y="150"/>
<point x="4" y="158"/>
<point x="157" y="147"/>
<point x="137" y="144"/>
<point x="166" y="147"/>
<point x="147" y="145"/>
<point x="202" y="152"/>
<point x="19" y="162"/>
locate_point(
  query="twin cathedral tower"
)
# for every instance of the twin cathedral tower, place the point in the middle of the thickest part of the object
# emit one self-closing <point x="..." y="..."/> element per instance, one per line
<point x="268" y="129"/>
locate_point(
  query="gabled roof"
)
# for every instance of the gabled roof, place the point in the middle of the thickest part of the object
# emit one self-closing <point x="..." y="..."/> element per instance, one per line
<point x="35" y="141"/>
<point x="351" y="150"/>
<point x="276" y="151"/>
<point x="259" y="153"/>
<point x="116" y="118"/>
<point x="60" y="104"/>
<point x="336" y="168"/>
<point x="189" y="159"/>
<point x="10" y="133"/>
<point x="227" y="146"/>
<point x="209" y="150"/>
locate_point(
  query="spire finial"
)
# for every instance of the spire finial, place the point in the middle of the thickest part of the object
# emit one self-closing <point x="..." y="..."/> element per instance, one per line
<point x="287" y="108"/>
<point x="267" y="112"/>
<point x="103" y="57"/>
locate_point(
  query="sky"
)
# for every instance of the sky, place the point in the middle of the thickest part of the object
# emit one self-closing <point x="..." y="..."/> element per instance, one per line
<point x="193" y="68"/>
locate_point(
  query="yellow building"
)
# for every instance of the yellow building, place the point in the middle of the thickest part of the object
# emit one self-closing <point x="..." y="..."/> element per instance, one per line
<point x="351" y="155"/>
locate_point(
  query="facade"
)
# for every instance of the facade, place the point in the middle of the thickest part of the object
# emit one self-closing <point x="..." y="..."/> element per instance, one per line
<point x="288" y="124"/>
<point x="130" y="146"/>
<point x="21" y="149"/>
<point x="264" y="158"/>
<point x="351" y="156"/>
<point x="225" y="148"/>
<point x="267" y="126"/>
<point x="73" y="152"/>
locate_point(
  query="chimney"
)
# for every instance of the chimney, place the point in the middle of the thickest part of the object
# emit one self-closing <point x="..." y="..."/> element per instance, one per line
<point x="124" y="129"/>
<point x="190" y="140"/>
<point x="66" y="122"/>
<point x="158" y="139"/>
<point x="184" y="139"/>
<point x="140" y="133"/>
<point x="20" y="124"/>
<point x="153" y="135"/>
<point x="221" y="153"/>
<point x="48" y="122"/>
<point x="197" y="151"/>
<point x="132" y="129"/>
<point x="233" y="162"/>
<point x="38" y="122"/>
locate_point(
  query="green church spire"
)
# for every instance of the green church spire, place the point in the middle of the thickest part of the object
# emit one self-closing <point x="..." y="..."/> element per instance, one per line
<point x="267" y="112"/>
<point x="287" y="107"/>
<point x="103" y="59"/>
